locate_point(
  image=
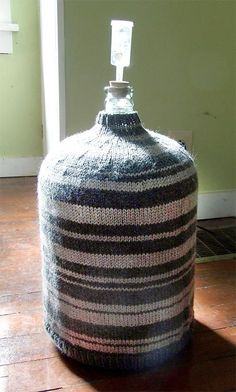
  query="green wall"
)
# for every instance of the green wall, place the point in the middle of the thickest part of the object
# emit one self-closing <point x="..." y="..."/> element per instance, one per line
<point x="20" y="97"/>
<point x="183" y="72"/>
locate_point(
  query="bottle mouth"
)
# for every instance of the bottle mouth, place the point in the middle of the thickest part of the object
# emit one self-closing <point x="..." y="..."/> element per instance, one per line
<point x="118" y="89"/>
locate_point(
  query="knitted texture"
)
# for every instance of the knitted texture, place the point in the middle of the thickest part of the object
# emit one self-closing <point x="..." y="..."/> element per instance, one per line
<point x="117" y="207"/>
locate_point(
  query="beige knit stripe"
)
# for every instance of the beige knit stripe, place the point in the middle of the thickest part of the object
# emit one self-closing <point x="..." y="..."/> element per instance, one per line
<point x="122" y="289"/>
<point x="90" y="278"/>
<point x="93" y="306"/>
<point x="77" y="337"/>
<point x="106" y="238"/>
<point x="119" y="261"/>
<point x="112" y="216"/>
<point x="126" y="186"/>
<point x="118" y="319"/>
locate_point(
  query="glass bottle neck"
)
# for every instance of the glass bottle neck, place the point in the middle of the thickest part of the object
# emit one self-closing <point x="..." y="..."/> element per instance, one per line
<point x="119" y="98"/>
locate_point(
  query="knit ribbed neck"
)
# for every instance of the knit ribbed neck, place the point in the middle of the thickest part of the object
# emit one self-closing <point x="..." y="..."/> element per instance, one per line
<point x="129" y="121"/>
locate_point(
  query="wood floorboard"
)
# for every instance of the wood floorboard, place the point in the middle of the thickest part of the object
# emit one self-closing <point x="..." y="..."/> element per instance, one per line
<point x="29" y="362"/>
<point x="18" y="303"/>
<point x="20" y="324"/>
<point x="24" y="348"/>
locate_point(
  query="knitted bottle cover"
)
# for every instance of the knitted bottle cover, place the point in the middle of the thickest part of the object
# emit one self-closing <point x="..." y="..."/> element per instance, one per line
<point x="117" y="207"/>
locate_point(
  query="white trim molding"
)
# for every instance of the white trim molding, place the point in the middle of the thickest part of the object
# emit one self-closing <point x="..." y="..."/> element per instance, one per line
<point x="6" y="27"/>
<point x="20" y="167"/>
<point x="53" y="72"/>
<point x="217" y="204"/>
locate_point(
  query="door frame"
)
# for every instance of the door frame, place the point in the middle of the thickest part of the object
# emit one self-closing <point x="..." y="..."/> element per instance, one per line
<point x="52" y="72"/>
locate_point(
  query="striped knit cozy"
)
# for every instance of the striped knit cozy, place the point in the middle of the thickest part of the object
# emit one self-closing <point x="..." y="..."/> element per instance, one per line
<point x="117" y="208"/>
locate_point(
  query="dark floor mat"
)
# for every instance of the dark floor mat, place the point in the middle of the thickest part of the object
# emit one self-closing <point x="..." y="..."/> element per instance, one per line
<point x="216" y="243"/>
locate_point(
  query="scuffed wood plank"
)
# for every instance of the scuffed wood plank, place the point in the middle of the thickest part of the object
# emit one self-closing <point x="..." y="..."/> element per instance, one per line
<point x="4" y="385"/>
<point x="3" y="371"/>
<point x="26" y="348"/>
<point x="17" y="303"/>
<point x="215" y="295"/>
<point x="218" y="316"/>
<point x="41" y="375"/>
<point x="20" y="324"/>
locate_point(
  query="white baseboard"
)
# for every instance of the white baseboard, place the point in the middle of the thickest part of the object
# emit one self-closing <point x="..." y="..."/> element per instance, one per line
<point x="20" y="167"/>
<point x="216" y="204"/>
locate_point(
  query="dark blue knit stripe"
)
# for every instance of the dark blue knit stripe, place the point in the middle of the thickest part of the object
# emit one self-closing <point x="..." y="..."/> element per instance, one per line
<point x="90" y="167"/>
<point x="131" y="313"/>
<point x="126" y="286"/>
<point x="120" y="230"/>
<point x="123" y="273"/>
<point x="118" y="248"/>
<point x="138" y="134"/>
<point x="170" y="169"/>
<point x="143" y="296"/>
<point x="156" y="339"/>
<point x="113" y="199"/>
<point x="87" y="167"/>
<point x="120" y="361"/>
<point x="155" y="174"/>
<point x="116" y="332"/>
<point x="122" y="121"/>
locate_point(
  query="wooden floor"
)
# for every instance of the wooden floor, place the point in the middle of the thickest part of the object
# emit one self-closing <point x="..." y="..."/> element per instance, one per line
<point x="29" y="361"/>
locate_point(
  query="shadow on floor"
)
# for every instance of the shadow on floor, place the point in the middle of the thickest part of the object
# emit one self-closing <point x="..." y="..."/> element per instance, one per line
<point x="207" y="364"/>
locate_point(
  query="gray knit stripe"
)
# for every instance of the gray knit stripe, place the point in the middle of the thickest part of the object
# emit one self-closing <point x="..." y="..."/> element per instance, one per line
<point x="130" y="296"/>
<point x="125" y="320"/>
<point x="119" y="199"/>
<point x="111" y="216"/>
<point x="134" y="285"/>
<point x="134" y="231"/>
<point x="121" y="332"/>
<point x="122" y="248"/>
<point x="121" y="186"/>
<point x="87" y="153"/>
<point x="170" y="169"/>
<point x="168" y="276"/>
<point x="117" y="122"/>
<point x="125" y="349"/>
<point x="122" y="290"/>
<point x="132" y="362"/>
<point x="53" y="227"/>
<point x="114" y="308"/>
<point x="116" y="342"/>
<point x="146" y="272"/>
<point x="167" y="166"/>
<point x="119" y="261"/>
<point x="142" y="150"/>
